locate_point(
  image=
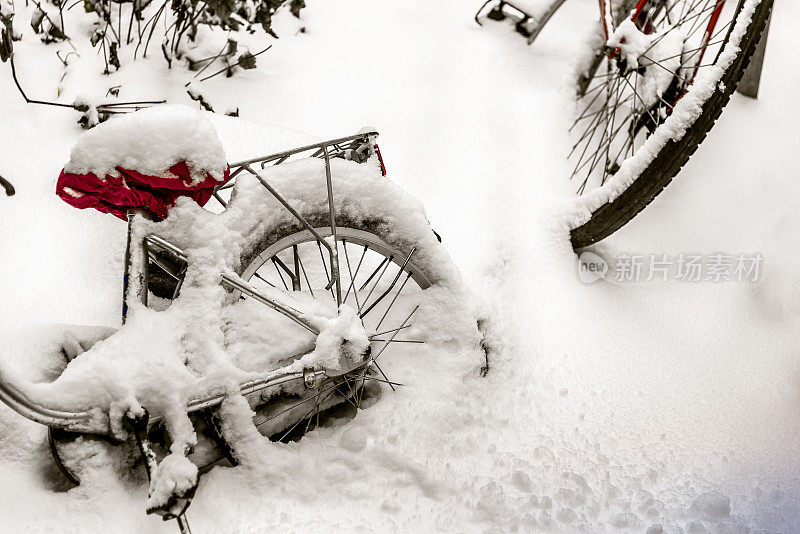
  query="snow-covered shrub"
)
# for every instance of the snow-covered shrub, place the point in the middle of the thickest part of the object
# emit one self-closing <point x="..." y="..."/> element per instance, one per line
<point x="186" y="33"/>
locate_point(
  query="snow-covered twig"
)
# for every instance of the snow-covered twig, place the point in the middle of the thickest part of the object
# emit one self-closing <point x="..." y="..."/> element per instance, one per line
<point x="244" y="57"/>
<point x="81" y="105"/>
<point x="7" y="186"/>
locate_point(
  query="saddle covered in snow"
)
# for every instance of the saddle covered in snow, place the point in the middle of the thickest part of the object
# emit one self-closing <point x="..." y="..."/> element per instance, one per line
<point x="147" y="159"/>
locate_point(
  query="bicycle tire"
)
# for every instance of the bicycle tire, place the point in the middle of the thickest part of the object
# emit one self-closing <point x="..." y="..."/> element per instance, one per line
<point x="613" y="215"/>
<point x="430" y="267"/>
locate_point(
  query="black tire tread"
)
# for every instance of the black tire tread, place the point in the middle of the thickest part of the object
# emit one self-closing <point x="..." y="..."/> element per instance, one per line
<point x="612" y="216"/>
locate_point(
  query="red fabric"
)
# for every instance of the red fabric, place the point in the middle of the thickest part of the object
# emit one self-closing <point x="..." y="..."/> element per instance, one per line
<point x="132" y="189"/>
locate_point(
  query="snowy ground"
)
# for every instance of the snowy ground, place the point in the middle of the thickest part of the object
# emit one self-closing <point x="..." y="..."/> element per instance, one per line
<point x="609" y="406"/>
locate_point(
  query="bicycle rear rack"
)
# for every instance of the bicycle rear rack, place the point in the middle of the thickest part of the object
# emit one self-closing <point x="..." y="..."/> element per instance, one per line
<point x="356" y="148"/>
<point x="352" y="147"/>
<point x="527" y="24"/>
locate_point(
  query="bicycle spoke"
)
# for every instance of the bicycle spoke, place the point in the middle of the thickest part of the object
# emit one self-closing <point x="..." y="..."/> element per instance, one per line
<point x="596" y="124"/>
<point x="594" y="113"/>
<point x="378" y="268"/>
<point x="578" y="165"/>
<point x="325" y="265"/>
<point x="597" y="154"/>
<point x="695" y="24"/>
<point x="308" y="414"/>
<point x="398" y="340"/>
<point x="305" y="275"/>
<point x="275" y="264"/>
<point x="635" y="116"/>
<point x="295" y="416"/>
<point x="589" y="105"/>
<point x="591" y="128"/>
<point x="377" y="281"/>
<point x="603" y="144"/>
<point x="352" y="276"/>
<point x="611" y="138"/>
<point x="694" y="49"/>
<point x="263" y="279"/>
<point x="653" y="12"/>
<point x="361" y="392"/>
<point x="389" y="331"/>
<point x="393" y="301"/>
<point x="391" y="385"/>
<point x="296" y="258"/>
<point x="642" y="101"/>
<point x="685" y="11"/>
<point x="285" y="434"/>
<point x="606" y="131"/>
<point x="349" y="400"/>
<point x="316" y="408"/>
<point x="654" y="62"/>
<point x="684" y="5"/>
<point x="290" y="408"/>
<point x="620" y="151"/>
<point x="395" y="333"/>
<point x="386" y="381"/>
<point x="671" y="29"/>
<point x="391" y="286"/>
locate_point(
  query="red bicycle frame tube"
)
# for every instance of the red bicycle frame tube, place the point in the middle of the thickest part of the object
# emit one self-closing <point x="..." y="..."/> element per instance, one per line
<point x="707" y="35"/>
<point x="606" y="17"/>
<point x="606" y="5"/>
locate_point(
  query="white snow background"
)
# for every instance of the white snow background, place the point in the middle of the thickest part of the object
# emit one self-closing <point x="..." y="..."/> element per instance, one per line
<point x="608" y="406"/>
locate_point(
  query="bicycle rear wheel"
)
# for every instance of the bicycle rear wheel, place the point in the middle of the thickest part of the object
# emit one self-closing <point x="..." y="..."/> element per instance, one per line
<point x="385" y="279"/>
<point x="381" y="282"/>
<point x="641" y="116"/>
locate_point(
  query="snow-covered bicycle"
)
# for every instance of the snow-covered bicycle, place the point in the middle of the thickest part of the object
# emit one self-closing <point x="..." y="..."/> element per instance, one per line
<point x="653" y="83"/>
<point x="303" y="295"/>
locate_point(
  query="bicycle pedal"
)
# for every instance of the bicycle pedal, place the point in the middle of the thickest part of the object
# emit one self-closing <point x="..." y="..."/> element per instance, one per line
<point x="525" y="27"/>
<point x="497" y="12"/>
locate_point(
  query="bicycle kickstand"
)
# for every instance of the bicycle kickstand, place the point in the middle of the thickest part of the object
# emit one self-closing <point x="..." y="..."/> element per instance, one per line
<point x="177" y="505"/>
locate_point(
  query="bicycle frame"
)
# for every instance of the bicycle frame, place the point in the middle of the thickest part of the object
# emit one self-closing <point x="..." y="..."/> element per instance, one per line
<point x="333" y="148"/>
<point x="154" y="248"/>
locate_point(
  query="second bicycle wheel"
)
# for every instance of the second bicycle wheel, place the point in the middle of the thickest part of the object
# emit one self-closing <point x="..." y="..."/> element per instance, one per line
<point x="648" y="100"/>
<point x="393" y="273"/>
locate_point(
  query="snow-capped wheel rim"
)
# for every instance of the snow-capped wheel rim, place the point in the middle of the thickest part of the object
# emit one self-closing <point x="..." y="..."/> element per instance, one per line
<point x="621" y="102"/>
<point x="377" y="279"/>
<point x="352" y="236"/>
<point x="648" y="172"/>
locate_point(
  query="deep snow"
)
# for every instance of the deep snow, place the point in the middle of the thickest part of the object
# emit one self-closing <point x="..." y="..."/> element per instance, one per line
<point x="607" y="406"/>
